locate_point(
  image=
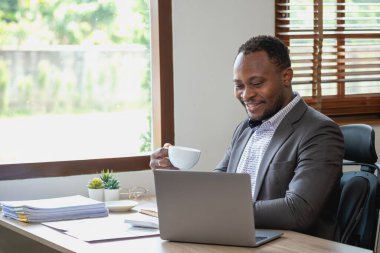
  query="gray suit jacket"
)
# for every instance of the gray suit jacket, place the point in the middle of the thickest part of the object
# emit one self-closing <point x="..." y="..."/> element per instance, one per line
<point x="299" y="174"/>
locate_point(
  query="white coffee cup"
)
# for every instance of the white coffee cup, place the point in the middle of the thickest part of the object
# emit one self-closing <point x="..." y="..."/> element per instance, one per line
<point x="182" y="157"/>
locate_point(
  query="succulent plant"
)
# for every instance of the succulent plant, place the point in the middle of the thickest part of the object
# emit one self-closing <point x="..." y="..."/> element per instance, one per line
<point x="109" y="180"/>
<point x="106" y="175"/>
<point x="95" y="183"/>
<point x="112" y="183"/>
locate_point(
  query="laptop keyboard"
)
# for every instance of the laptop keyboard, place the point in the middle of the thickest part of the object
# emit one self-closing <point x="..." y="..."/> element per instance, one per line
<point x="260" y="238"/>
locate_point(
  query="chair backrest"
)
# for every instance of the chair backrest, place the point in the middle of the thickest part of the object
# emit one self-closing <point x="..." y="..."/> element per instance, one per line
<point x="359" y="146"/>
<point x="357" y="211"/>
<point x="358" y="207"/>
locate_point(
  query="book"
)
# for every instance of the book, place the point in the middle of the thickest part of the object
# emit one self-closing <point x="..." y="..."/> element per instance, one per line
<point x="54" y="209"/>
<point x="152" y="211"/>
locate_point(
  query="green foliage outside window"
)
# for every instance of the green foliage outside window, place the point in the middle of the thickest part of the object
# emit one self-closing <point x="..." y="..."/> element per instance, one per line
<point x="48" y="89"/>
<point x="59" y="22"/>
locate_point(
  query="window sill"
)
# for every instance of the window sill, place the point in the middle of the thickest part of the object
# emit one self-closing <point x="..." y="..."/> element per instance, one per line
<point x="357" y="120"/>
<point x="70" y="168"/>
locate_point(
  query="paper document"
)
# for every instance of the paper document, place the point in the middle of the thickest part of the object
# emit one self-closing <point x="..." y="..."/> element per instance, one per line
<point x="107" y="228"/>
<point x="53" y="209"/>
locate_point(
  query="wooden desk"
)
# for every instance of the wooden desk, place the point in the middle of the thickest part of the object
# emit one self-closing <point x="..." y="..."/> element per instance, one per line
<point x="289" y="242"/>
<point x="53" y="241"/>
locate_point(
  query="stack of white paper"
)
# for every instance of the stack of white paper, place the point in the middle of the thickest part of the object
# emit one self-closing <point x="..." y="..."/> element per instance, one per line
<point x="54" y="209"/>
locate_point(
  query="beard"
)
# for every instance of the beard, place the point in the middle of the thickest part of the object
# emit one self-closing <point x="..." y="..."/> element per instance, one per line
<point x="279" y="103"/>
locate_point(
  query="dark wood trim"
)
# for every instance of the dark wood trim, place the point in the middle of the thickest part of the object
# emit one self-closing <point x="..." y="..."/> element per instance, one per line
<point x="341" y="49"/>
<point x="166" y="61"/>
<point x="357" y="120"/>
<point x="163" y="112"/>
<point x="350" y="105"/>
<point x="69" y="168"/>
<point x="162" y="54"/>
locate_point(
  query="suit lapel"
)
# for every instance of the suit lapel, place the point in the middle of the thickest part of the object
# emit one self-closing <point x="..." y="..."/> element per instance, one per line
<point x="283" y="131"/>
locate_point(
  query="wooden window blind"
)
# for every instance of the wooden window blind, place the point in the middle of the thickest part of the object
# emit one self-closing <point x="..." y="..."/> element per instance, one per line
<point x="335" y="51"/>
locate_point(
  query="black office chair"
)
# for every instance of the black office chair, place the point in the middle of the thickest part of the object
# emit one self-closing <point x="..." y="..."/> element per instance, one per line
<point x="358" y="206"/>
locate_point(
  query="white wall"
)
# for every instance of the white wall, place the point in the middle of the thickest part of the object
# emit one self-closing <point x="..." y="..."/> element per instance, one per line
<point x="206" y="36"/>
<point x="377" y="142"/>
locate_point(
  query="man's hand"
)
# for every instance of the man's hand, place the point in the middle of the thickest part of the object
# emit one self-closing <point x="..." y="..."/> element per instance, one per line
<point x="159" y="158"/>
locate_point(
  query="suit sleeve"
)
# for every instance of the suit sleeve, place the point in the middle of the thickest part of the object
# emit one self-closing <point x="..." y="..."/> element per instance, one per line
<point x="315" y="174"/>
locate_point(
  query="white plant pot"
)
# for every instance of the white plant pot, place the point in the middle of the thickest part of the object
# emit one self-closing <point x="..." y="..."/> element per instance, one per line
<point x="111" y="194"/>
<point x="97" y="194"/>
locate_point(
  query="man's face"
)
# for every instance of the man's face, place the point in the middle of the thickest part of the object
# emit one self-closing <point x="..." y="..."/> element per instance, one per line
<point x="260" y="86"/>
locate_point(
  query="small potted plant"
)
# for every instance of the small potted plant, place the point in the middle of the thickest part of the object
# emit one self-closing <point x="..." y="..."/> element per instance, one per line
<point x="111" y="186"/>
<point x="96" y="189"/>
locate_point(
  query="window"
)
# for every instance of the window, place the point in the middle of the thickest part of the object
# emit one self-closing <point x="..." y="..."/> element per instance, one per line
<point x="335" y="52"/>
<point x="100" y="104"/>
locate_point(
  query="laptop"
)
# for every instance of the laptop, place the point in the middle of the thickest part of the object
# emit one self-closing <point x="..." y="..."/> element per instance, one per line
<point x="207" y="207"/>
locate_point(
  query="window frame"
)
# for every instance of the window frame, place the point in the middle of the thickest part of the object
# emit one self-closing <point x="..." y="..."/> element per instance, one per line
<point x="162" y="116"/>
<point x="344" y="109"/>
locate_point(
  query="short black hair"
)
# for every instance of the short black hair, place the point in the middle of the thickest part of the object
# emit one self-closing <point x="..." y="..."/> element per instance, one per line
<point x="277" y="51"/>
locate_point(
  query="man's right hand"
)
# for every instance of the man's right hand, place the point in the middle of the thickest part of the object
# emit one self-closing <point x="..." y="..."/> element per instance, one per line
<point x="159" y="158"/>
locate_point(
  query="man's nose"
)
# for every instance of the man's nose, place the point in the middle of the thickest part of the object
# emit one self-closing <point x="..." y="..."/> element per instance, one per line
<point x="247" y="93"/>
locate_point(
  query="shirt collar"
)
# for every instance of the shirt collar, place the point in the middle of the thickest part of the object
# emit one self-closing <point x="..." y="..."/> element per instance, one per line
<point x="276" y="119"/>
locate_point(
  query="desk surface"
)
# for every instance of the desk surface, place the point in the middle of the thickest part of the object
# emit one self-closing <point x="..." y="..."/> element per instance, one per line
<point x="289" y="242"/>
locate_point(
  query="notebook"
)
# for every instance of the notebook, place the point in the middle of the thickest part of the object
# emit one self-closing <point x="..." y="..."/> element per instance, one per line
<point x="207" y="207"/>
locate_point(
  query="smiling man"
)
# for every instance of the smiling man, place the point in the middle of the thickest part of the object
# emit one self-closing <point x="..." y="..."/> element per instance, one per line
<point x="261" y="88"/>
<point x="292" y="152"/>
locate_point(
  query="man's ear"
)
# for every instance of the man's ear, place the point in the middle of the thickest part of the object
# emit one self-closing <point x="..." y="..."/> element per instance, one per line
<point x="287" y="76"/>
